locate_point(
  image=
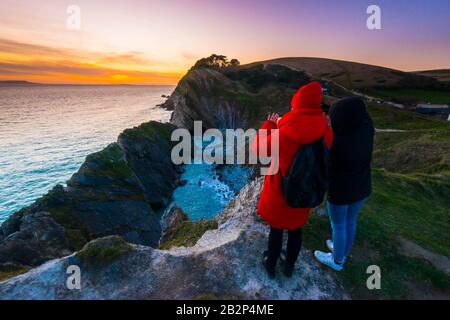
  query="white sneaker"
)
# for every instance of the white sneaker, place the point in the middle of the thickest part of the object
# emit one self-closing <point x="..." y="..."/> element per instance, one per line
<point x="327" y="259"/>
<point x="331" y="248"/>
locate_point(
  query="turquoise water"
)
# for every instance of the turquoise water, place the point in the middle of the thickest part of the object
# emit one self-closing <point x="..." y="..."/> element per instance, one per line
<point x="205" y="193"/>
<point x="208" y="190"/>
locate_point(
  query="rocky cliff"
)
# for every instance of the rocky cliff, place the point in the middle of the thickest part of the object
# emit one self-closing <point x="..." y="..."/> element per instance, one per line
<point x="233" y="98"/>
<point x="224" y="263"/>
<point x="115" y="192"/>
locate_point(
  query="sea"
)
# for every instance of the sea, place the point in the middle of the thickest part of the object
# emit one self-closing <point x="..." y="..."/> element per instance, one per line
<point x="46" y="132"/>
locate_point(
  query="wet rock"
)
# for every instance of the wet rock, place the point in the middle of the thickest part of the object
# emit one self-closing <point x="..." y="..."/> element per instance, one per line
<point x="11" y="225"/>
<point x="180" y="169"/>
<point x="181" y="182"/>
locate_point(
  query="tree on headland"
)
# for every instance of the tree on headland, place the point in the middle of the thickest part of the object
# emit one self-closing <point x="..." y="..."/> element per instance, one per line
<point x="215" y="61"/>
<point x="234" y="63"/>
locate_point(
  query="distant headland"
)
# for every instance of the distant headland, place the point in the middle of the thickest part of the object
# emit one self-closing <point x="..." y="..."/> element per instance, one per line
<point x="23" y="83"/>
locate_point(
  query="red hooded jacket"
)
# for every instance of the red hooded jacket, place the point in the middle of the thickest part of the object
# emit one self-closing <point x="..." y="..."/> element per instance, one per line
<point x="305" y="124"/>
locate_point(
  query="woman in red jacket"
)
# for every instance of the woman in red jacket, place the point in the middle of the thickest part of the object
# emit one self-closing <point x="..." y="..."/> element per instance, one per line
<point x="304" y="124"/>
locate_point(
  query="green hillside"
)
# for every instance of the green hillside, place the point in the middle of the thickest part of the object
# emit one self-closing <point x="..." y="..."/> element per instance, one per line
<point x="377" y="81"/>
<point x="442" y="75"/>
<point x="412" y="95"/>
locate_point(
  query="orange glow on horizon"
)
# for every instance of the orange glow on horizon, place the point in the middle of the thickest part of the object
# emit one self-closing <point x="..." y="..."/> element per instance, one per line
<point x="163" y="79"/>
<point x="89" y="80"/>
<point x="58" y="66"/>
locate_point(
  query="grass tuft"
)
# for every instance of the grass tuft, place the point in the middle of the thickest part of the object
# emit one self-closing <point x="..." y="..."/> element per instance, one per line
<point x="111" y="162"/>
<point x="7" y="272"/>
<point x="188" y="233"/>
<point x="104" y="251"/>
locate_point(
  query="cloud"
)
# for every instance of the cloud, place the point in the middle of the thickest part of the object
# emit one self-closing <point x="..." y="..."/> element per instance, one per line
<point x="10" y="46"/>
<point x="58" y="64"/>
<point x="132" y="57"/>
<point x="189" y="56"/>
<point x="43" y="68"/>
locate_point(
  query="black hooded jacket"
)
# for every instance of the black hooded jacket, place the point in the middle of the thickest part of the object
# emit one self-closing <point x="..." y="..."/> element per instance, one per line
<point x="351" y="152"/>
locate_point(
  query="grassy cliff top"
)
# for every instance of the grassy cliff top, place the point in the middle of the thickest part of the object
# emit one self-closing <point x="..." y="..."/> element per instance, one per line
<point x="151" y="130"/>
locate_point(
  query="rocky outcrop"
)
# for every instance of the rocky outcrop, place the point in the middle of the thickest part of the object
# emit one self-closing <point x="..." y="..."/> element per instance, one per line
<point x="224" y="263"/>
<point x="197" y="97"/>
<point x="107" y="198"/>
<point x="32" y="239"/>
<point x="233" y="98"/>
<point x="115" y="192"/>
<point x="148" y="149"/>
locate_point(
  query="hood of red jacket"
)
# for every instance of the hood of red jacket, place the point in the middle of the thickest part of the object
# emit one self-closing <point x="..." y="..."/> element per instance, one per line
<point x="306" y="122"/>
<point x="308" y="98"/>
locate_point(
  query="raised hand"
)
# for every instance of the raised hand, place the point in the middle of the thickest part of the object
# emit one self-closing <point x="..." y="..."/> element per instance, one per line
<point x="273" y="117"/>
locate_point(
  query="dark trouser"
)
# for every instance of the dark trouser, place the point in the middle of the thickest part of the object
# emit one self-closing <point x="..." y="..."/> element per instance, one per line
<point x="294" y="245"/>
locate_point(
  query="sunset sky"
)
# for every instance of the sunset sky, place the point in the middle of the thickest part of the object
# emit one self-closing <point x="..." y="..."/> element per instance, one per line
<point x="155" y="42"/>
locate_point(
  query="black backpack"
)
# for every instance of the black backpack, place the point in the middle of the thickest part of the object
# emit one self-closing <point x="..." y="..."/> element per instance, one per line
<point x="308" y="179"/>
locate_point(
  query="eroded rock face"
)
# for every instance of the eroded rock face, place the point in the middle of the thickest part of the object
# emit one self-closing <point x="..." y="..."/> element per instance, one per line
<point x="198" y="97"/>
<point x="235" y="98"/>
<point x="225" y="263"/>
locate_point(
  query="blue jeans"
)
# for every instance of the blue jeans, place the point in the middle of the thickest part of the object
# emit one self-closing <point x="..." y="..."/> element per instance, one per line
<point x="343" y="223"/>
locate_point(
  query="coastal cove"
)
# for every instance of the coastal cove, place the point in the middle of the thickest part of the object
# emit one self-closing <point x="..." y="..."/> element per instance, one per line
<point x="44" y="149"/>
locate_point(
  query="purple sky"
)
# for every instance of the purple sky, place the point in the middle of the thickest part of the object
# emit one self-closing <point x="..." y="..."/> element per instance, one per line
<point x="161" y="39"/>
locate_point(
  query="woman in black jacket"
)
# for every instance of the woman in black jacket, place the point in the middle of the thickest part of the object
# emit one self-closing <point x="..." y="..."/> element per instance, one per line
<point x="350" y="180"/>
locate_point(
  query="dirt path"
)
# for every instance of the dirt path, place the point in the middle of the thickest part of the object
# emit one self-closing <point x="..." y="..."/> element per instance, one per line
<point x="412" y="249"/>
<point x="390" y="130"/>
